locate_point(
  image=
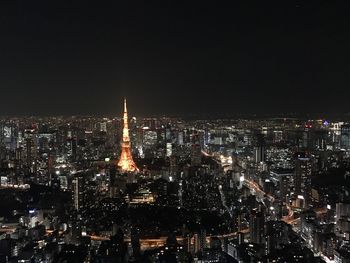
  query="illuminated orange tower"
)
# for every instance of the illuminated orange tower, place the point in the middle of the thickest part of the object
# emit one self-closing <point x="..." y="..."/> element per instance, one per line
<point x="126" y="163"/>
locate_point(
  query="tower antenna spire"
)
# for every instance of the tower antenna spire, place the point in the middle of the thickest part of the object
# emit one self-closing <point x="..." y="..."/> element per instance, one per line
<point x="126" y="163"/>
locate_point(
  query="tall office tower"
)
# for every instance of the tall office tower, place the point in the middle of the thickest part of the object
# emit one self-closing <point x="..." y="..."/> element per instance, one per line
<point x="174" y="166"/>
<point x="180" y="193"/>
<point x="126" y="163"/>
<point x="302" y="175"/>
<point x="319" y="139"/>
<point x="201" y="135"/>
<point x="139" y="138"/>
<point x="284" y="183"/>
<point x="78" y="192"/>
<point x="169" y="149"/>
<point x="256" y="225"/>
<point x="168" y="133"/>
<point x="112" y="184"/>
<point x="342" y="212"/>
<point x="260" y="149"/>
<point x="72" y="148"/>
<point x="196" y="151"/>
<point x="305" y="139"/>
<point x="8" y="135"/>
<point x="31" y="150"/>
<point x="18" y="157"/>
<point x="180" y="138"/>
<point x="206" y="136"/>
<point x="345" y="136"/>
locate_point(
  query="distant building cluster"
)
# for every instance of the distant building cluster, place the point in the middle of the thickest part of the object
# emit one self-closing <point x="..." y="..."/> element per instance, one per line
<point x="94" y="189"/>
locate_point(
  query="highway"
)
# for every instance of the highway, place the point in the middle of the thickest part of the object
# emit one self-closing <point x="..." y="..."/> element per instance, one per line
<point x="223" y="201"/>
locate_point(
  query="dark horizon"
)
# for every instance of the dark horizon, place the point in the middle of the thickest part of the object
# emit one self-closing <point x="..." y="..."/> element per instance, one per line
<point x="200" y="116"/>
<point x="172" y="58"/>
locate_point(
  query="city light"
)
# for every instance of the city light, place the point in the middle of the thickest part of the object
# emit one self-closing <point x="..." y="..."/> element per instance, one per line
<point x="175" y="132"/>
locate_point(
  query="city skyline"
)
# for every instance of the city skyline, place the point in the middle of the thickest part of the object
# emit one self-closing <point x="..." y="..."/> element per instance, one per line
<point x="174" y="132"/>
<point x="214" y="190"/>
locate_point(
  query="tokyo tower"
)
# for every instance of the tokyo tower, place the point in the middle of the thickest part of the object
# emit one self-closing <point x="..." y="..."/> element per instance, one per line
<point x="126" y="163"/>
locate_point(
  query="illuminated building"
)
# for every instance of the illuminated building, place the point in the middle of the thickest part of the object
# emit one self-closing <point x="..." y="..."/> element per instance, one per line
<point x="144" y="196"/>
<point x="302" y="174"/>
<point x="345" y="136"/>
<point x="169" y="149"/>
<point x="342" y="212"/>
<point x="260" y="149"/>
<point x="277" y="136"/>
<point x="256" y="224"/>
<point x="180" y="138"/>
<point x="31" y="149"/>
<point x="150" y="138"/>
<point x="78" y="192"/>
<point x="196" y="153"/>
<point x="126" y="163"/>
<point x="283" y="177"/>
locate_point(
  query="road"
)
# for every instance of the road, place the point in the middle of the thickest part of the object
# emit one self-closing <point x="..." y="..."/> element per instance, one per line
<point x="223" y="201"/>
<point x="289" y="218"/>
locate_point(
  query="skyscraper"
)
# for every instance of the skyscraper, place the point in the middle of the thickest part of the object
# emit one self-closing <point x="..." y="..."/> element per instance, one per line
<point x="260" y="149"/>
<point x="31" y="150"/>
<point x="126" y="163"/>
<point x="256" y="225"/>
<point x="345" y="136"/>
<point x="78" y="192"/>
<point x="196" y="153"/>
<point x="302" y="174"/>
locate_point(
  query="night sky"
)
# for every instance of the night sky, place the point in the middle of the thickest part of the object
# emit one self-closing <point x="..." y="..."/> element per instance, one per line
<point x="174" y="57"/>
